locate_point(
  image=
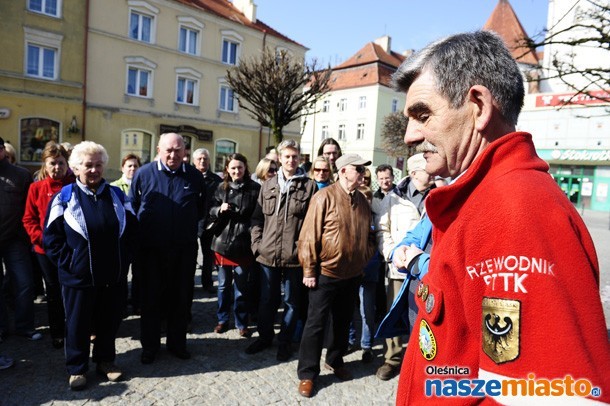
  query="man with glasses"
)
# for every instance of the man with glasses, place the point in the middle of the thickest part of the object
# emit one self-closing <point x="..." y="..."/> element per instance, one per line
<point x="400" y="212"/>
<point x="335" y="242"/>
<point x="201" y="158"/>
<point x="331" y="150"/>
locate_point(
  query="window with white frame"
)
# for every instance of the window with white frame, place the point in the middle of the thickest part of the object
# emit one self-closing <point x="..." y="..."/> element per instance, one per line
<point x="139" y="76"/>
<point x="231" y="42"/>
<point x="325" y="106"/>
<point x="341" y="132"/>
<point x="362" y="102"/>
<point x="227" y="100"/>
<point x="49" y="7"/>
<point x="360" y="131"/>
<point x="142" y="21"/>
<point x="394" y="105"/>
<point x="343" y="104"/>
<point x="42" y="54"/>
<point x="189" y="35"/>
<point x="187" y="86"/>
<point x="186" y="90"/>
<point x="325" y="134"/>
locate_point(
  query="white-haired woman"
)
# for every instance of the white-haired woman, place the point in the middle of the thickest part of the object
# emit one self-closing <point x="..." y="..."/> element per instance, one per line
<point x="87" y="235"/>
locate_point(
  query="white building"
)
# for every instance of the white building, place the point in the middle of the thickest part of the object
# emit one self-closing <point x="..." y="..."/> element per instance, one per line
<point x="361" y="96"/>
<point x="574" y="138"/>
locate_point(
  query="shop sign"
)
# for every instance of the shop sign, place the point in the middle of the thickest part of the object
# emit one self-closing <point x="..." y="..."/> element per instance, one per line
<point x="202" y="135"/>
<point x="554" y="100"/>
<point x="576" y="155"/>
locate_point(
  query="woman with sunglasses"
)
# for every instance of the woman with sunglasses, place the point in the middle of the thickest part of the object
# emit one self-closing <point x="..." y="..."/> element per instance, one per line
<point x="265" y="170"/>
<point x="321" y="171"/>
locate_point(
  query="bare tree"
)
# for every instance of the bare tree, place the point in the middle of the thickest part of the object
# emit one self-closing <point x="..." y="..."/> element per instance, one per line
<point x="590" y="28"/>
<point x="393" y="135"/>
<point x="276" y="88"/>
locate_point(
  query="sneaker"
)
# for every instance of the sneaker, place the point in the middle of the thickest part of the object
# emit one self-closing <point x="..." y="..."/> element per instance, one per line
<point x="6" y="362"/>
<point x="367" y="355"/>
<point x="32" y="335"/>
<point x="110" y="370"/>
<point x="77" y="382"/>
<point x="386" y="372"/>
<point x="257" y="346"/>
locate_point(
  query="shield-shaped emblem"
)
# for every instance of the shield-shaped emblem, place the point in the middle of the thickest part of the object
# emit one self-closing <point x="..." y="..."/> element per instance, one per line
<point x="501" y="319"/>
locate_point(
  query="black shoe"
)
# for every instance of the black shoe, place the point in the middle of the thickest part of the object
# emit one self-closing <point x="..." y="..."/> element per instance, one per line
<point x="284" y="352"/>
<point x="257" y="346"/>
<point x="182" y="354"/>
<point x="58" y="343"/>
<point x="352" y="348"/>
<point x="367" y="355"/>
<point x="148" y="357"/>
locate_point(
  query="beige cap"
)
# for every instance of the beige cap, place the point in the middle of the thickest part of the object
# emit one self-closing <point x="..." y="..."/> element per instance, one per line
<point x="350" y="159"/>
<point x="416" y="163"/>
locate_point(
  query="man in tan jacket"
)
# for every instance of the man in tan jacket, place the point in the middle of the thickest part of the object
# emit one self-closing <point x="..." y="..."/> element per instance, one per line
<point x="335" y="243"/>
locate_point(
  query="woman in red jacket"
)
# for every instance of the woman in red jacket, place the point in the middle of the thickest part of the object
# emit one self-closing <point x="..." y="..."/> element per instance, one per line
<point x="54" y="174"/>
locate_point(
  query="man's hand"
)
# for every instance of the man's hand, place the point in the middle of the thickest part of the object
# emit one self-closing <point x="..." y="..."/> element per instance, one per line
<point x="403" y="255"/>
<point x="309" y="282"/>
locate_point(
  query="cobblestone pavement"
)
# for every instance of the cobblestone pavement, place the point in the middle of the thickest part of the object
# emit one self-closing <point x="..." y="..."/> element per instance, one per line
<point x="220" y="373"/>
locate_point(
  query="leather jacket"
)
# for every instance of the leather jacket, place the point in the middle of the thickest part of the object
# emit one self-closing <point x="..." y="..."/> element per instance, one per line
<point x="236" y="231"/>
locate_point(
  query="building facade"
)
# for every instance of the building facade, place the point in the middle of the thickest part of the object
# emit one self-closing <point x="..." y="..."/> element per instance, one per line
<point x="129" y="70"/>
<point x="353" y="111"/>
<point x="42" y="75"/>
<point x="572" y="132"/>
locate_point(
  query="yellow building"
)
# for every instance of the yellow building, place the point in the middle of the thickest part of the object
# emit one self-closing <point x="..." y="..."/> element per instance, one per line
<point x="41" y="74"/>
<point x="122" y="72"/>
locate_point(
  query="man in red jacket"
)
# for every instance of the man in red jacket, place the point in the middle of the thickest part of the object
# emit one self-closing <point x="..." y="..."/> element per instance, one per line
<point x="509" y="311"/>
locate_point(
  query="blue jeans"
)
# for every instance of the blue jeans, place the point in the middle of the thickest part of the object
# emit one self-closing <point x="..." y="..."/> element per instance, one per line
<point x="17" y="261"/>
<point x="238" y="277"/>
<point x="363" y="322"/>
<point x="271" y="293"/>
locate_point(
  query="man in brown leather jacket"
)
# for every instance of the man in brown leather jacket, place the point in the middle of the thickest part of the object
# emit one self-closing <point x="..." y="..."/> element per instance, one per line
<point x="335" y="244"/>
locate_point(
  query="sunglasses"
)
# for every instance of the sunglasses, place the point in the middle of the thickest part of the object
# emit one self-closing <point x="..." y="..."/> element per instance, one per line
<point x="272" y="170"/>
<point x="321" y="170"/>
<point x="360" y="168"/>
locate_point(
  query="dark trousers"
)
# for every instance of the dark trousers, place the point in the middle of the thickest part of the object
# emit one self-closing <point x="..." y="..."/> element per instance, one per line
<point x="167" y="283"/>
<point x="331" y="296"/>
<point x="55" y="305"/>
<point x="87" y="308"/>
<point x="207" y="264"/>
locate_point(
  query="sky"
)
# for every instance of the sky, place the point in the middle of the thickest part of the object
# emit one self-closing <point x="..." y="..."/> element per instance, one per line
<point x="334" y="30"/>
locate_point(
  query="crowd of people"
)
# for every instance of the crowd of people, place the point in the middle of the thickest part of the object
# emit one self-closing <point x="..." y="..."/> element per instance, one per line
<point x="317" y="240"/>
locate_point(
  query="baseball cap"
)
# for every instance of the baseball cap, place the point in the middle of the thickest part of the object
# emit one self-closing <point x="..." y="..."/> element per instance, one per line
<point x="416" y="163"/>
<point x="350" y="159"/>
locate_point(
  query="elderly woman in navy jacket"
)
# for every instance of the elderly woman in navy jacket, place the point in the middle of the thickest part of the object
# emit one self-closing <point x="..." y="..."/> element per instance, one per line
<point x="86" y="235"/>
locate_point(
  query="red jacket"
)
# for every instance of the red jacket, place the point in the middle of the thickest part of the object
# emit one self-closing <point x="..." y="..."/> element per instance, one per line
<point x="36" y="205"/>
<point x="512" y="287"/>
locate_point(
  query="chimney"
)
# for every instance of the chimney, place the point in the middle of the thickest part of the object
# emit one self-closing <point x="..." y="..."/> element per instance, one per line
<point x="247" y="7"/>
<point x="384" y="42"/>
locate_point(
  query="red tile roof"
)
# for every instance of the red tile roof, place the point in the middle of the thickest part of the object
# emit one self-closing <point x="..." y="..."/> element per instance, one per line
<point x="504" y="21"/>
<point x="369" y="66"/>
<point x="225" y="9"/>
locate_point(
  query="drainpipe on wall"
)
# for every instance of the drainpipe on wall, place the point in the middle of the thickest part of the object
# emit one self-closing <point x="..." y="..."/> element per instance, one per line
<point x="85" y="51"/>
<point x="260" y="129"/>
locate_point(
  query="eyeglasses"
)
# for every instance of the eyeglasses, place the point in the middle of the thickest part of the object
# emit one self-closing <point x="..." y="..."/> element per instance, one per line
<point x="321" y="170"/>
<point x="272" y="170"/>
<point x="360" y="168"/>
